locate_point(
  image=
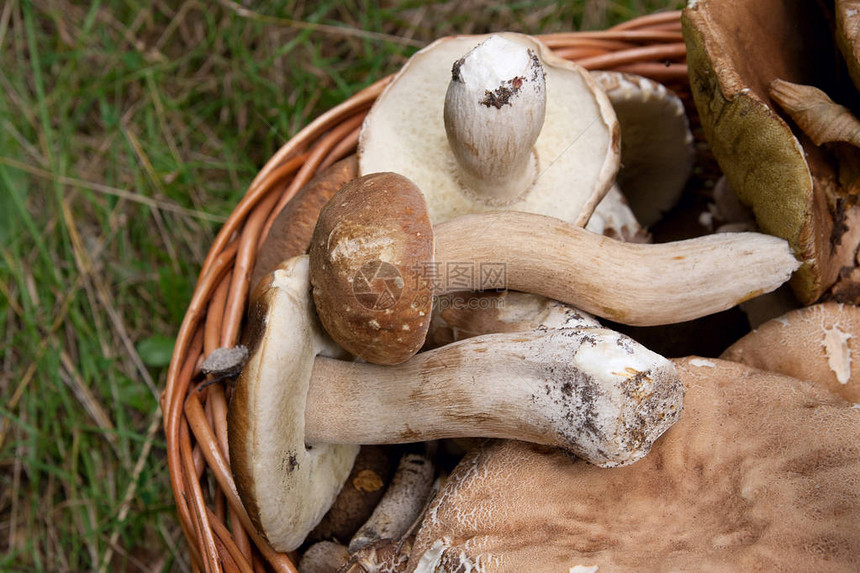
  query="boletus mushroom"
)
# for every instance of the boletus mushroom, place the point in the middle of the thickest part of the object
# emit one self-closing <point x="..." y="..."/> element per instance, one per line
<point x="483" y="122"/>
<point x="376" y="263"/>
<point x="797" y="189"/>
<point x="296" y="414"/>
<point x="760" y="474"/>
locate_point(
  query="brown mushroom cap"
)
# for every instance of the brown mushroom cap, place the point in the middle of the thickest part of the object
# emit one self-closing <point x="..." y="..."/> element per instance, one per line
<point x="290" y="233"/>
<point x="819" y="343"/>
<point x="735" y="50"/>
<point x="363" y="254"/>
<point x="760" y="474"/>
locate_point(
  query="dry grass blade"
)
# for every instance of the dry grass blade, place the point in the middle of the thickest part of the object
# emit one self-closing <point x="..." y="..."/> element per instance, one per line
<point x="323" y="28"/>
<point x="108" y="190"/>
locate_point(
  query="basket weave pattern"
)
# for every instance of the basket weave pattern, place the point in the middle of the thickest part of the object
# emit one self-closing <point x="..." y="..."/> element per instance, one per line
<point x="216" y="526"/>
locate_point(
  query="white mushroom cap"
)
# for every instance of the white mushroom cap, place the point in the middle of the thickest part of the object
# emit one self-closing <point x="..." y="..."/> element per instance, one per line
<point x="286" y="485"/>
<point x="656" y="143"/>
<point x="577" y="150"/>
<point x="613" y="218"/>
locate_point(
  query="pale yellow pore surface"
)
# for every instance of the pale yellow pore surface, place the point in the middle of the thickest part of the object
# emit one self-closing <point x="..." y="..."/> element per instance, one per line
<point x="762" y="473"/>
<point x="577" y="150"/>
<point x="819" y="343"/>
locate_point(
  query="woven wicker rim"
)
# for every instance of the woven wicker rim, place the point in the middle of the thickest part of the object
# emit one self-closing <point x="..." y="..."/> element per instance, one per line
<point x="218" y="530"/>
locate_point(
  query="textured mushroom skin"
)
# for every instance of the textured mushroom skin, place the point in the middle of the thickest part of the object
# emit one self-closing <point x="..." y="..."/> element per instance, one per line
<point x="376" y="226"/>
<point x="760" y="474"/>
<point x="819" y="343"/>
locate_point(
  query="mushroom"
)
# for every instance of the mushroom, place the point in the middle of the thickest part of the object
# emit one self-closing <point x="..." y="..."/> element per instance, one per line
<point x="462" y="315"/>
<point x="816" y="343"/>
<point x="383" y="556"/>
<point x="656" y="145"/>
<point x="591" y="391"/>
<point x="847" y="34"/>
<point x="403" y="501"/>
<point x="507" y="124"/>
<point x="290" y="233"/>
<point x="364" y="487"/>
<point x="734" y="51"/>
<point x="285" y="486"/>
<point x="760" y="474"/>
<point x="373" y="248"/>
<point x="323" y="557"/>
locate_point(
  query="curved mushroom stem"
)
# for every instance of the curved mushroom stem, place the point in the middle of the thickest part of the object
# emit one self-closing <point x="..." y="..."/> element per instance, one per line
<point x="591" y="391"/>
<point x="494" y="112"/>
<point x="403" y="501"/>
<point x="635" y="284"/>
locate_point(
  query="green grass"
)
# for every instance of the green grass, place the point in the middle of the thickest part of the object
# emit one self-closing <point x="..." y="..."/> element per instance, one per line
<point x="127" y="133"/>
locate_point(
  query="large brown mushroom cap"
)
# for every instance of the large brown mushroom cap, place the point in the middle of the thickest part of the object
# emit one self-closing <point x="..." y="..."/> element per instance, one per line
<point x="819" y="343"/>
<point x="291" y="231"/>
<point x="735" y="50"/>
<point x="762" y="473"/>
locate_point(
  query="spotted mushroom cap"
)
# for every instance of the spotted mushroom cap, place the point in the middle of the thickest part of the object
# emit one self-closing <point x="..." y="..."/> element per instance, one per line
<point x="370" y="256"/>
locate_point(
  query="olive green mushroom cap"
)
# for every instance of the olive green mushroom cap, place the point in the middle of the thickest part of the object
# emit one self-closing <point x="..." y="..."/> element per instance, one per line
<point x="735" y="50"/>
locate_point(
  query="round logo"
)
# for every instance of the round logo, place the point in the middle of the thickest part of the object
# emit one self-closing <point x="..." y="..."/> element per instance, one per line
<point x="377" y="285"/>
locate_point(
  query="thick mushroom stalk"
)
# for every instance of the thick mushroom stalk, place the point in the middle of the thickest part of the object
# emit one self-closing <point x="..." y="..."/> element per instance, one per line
<point x="630" y="283"/>
<point x="494" y="111"/>
<point x="592" y="391"/>
<point x="375" y="267"/>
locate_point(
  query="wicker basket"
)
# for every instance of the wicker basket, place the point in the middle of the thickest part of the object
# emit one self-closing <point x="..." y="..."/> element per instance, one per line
<point x="218" y="530"/>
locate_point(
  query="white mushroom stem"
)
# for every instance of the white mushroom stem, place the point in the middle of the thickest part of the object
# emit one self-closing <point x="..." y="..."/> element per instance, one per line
<point x="494" y="111"/>
<point x="402" y="503"/>
<point x="591" y="391"/>
<point x="636" y="284"/>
